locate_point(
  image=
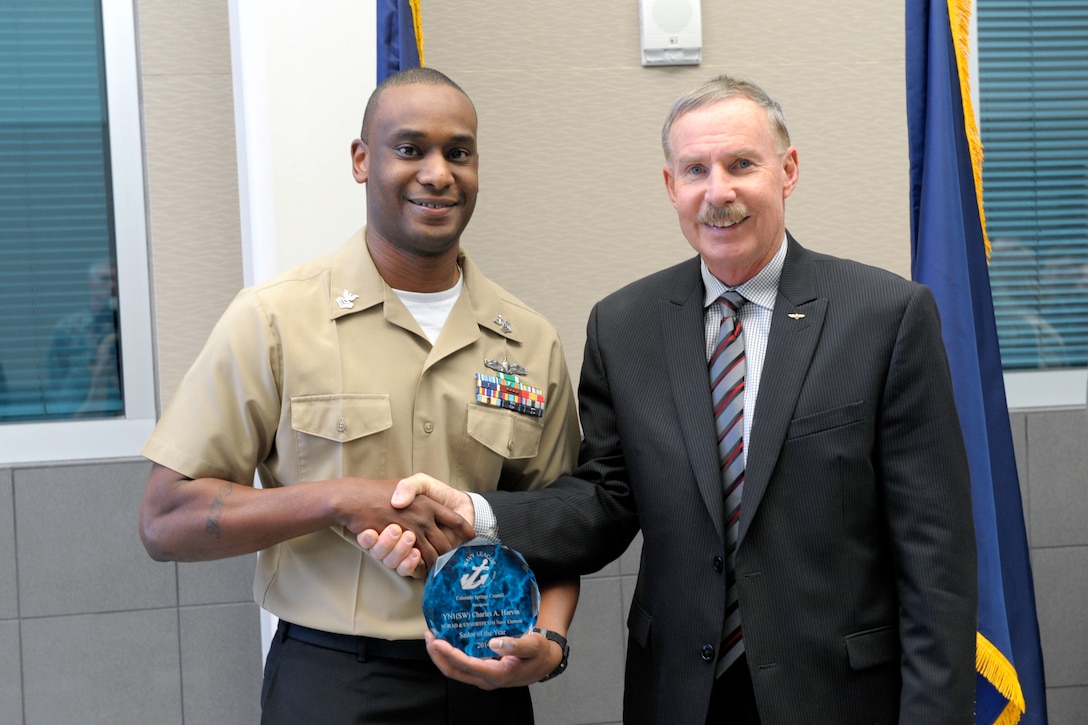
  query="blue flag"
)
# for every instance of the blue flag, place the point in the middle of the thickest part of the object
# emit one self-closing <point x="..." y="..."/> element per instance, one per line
<point x="400" y="36"/>
<point x="949" y="254"/>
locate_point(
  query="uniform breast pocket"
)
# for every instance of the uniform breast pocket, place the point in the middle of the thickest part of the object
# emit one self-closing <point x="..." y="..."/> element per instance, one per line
<point x="340" y="435"/>
<point x="495" y="437"/>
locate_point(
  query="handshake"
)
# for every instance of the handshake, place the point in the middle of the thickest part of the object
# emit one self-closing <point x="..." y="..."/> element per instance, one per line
<point x="447" y="517"/>
<point x="411" y="554"/>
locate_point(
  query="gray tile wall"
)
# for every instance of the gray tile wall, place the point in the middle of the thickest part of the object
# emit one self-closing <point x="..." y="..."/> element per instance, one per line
<point x="95" y="632"/>
<point x="1053" y="460"/>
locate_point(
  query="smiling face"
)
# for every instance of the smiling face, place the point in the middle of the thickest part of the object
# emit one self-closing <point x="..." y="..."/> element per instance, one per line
<point x="420" y="166"/>
<point x="728" y="179"/>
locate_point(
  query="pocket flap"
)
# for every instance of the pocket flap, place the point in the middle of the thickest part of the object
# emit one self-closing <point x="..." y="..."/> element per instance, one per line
<point x="509" y="434"/>
<point x="827" y="419"/>
<point x="873" y="647"/>
<point x="341" y="418"/>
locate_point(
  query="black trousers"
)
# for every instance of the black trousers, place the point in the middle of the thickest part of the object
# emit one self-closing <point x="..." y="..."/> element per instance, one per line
<point x="732" y="700"/>
<point x="318" y="678"/>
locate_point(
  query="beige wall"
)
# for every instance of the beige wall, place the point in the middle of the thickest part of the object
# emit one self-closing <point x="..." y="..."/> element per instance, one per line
<point x="572" y="202"/>
<point x="192" y="175"/>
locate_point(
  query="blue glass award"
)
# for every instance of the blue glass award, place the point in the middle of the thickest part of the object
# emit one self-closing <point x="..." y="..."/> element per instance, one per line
<point x="477" y="591"/>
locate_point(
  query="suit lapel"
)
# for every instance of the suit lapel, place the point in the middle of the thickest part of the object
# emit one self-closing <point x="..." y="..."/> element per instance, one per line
<point x="682" y="326"/>
<point x="795" y="329"/>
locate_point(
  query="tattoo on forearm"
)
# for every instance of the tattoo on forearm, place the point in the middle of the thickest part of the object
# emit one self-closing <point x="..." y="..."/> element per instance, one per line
<point x="211" y="524"/>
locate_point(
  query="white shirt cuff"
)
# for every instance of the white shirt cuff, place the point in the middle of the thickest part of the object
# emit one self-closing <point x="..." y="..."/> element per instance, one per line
<point x="486" y="525"/>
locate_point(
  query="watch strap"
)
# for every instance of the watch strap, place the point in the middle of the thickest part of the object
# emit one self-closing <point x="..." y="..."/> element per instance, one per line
<point x="562" y="642"/>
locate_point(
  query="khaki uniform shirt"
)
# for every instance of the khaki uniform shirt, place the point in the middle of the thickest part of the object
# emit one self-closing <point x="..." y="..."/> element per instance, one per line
<point x="323" y="373"/>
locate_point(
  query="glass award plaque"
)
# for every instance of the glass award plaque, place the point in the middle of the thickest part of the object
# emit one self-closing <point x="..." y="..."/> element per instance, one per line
<point x="477" y="591"/>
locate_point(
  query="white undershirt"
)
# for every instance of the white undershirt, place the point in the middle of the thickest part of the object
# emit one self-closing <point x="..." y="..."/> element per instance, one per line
<point x="432" y="309"/>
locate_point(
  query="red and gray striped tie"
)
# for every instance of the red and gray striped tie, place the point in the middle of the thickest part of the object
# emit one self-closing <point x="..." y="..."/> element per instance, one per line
<point x="727" y="370"/>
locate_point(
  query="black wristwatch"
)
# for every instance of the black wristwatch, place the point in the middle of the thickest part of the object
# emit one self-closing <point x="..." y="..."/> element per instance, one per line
<point x="562" y="642"/>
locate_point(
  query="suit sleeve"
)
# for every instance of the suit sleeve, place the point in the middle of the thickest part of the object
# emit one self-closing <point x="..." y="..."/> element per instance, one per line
<point x="583" y="521"/>
<point x="923" y="466"/>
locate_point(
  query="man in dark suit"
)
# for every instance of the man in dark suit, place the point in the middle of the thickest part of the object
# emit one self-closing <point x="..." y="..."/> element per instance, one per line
<point x="854" y="564"/>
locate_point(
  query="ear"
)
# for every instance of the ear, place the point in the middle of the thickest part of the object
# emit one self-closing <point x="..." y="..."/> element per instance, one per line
<point x="360" y="154"/>
<point x="791" y="170"/>
<point x="670" y="182"/>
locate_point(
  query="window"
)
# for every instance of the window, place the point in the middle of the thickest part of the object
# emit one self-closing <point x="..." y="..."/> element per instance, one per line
<point x="1033" y="100"/>
<point x="75" y="365"/>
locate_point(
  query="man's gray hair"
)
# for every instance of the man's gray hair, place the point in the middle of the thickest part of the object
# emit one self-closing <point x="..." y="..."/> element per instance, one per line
<point x="720" y="89"/>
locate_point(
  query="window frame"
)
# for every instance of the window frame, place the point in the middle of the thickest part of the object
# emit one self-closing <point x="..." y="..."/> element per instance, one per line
<point x="56" y="441"/>
<point x="1046" y="388"/>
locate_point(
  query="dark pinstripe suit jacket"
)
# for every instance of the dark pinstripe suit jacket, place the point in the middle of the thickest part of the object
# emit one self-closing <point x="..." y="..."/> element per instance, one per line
<point x="856" y="563"/>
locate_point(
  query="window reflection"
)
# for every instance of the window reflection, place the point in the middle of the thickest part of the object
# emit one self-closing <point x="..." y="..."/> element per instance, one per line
<point x="83" y="368"/>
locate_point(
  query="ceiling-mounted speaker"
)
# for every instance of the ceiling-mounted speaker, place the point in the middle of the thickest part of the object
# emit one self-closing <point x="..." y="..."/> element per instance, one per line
<point x="672" y="32"/>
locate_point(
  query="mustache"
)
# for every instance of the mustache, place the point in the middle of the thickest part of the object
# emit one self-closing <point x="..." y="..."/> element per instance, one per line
<point x="722" y="215"/>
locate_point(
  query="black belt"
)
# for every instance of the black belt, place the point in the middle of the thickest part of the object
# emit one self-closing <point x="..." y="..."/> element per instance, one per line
<point x="397" y="649"/>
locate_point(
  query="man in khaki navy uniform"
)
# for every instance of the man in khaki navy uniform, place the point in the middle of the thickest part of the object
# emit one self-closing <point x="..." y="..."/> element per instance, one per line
<point x="337" y="378"/>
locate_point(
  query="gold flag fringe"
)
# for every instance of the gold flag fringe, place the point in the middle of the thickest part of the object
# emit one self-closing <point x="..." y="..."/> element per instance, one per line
<point x="417" y="27"/>
<point x="959" y="14"/>
<point x="999" y="672"/>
